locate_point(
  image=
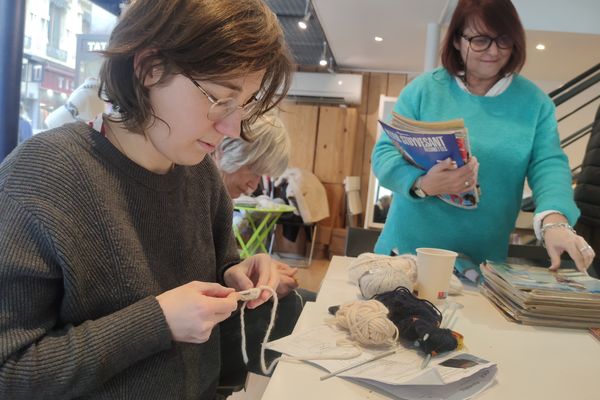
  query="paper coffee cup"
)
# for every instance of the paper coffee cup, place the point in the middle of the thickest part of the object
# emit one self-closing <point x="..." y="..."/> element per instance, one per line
<point x="434" y="268"/>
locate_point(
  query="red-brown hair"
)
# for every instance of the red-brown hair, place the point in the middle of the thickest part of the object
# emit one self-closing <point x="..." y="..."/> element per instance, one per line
<point x="498" y="16"/>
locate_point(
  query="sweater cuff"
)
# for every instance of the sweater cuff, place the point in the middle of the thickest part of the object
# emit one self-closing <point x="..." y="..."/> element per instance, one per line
<point x="225" y="267"/>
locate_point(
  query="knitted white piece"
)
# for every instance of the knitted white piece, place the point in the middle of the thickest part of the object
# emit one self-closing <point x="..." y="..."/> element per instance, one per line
<point x="367" y="322"/>
<point x="375" y="274"/>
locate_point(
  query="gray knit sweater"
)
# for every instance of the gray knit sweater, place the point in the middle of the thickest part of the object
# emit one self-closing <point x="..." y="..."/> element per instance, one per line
<point x="87" y="240"/>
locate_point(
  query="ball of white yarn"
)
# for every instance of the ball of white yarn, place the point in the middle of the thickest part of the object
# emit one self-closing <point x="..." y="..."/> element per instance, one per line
<point x="383" y="280"/>
<point x="367" y="322"/>
<point x="375" y="274"/>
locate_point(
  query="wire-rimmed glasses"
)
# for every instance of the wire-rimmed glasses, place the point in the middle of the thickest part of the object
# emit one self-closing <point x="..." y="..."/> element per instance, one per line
<point x="481" y="43"/>
<point x="222" y="108"/>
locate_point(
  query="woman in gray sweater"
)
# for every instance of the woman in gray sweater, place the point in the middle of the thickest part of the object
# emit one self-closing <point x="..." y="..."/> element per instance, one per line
<point x="117" y="260"/>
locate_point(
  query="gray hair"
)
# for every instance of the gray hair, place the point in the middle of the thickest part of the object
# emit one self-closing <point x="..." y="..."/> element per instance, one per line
<point x="265" y="153"/>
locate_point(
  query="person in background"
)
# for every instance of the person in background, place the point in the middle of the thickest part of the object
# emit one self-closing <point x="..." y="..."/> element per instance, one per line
<point x="587" y="194"/>
<point x="243" y="162"/>
<point x="513" y="134"/>
<point x="25" y="131"/>
<point x="113" y="282"/>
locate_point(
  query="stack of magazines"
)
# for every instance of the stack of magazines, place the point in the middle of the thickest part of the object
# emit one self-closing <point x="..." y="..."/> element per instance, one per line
<point x="424" y="144"/>
<point x="537" y="296"/>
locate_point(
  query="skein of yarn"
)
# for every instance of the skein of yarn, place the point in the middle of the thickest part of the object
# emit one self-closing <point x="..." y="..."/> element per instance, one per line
<point x="419" y="320"/>
<point x="375" y="274"/>
<point x="367" y="322"/>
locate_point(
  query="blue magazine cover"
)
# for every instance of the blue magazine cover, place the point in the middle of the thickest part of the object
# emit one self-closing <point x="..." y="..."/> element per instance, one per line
<point x="426" y="149"/>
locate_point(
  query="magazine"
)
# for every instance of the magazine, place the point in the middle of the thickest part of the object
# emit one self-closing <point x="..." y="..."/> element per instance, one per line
<point x="424" y="144"/>
<point x="538" y="296"/>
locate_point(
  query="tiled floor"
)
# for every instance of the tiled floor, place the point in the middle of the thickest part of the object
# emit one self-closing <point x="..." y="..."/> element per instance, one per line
<point x="309" y="278"/>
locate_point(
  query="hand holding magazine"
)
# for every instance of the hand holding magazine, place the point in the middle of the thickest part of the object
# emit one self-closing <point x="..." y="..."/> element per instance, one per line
<point x="424" y="144"/>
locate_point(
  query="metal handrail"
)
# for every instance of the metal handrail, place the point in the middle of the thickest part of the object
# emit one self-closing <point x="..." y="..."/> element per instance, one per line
<point x="575" y="90"/>
<point x="574" y="81"/>
<point x="576" y="135"/>
<point x="587" y="103"/>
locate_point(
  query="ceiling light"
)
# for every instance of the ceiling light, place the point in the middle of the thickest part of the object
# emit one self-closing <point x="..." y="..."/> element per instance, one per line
<point x="378" y="39"/>
<point x="540" y="47"/>
<point x="340" y="83"/>
<point x="303" y="23"/>
<point x="323" y="61"/>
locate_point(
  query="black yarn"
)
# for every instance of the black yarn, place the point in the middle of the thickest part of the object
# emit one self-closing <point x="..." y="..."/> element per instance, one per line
<point x="418" y="320"/>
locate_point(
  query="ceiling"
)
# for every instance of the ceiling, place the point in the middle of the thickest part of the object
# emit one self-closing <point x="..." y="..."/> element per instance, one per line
<point x="569" y="29"/>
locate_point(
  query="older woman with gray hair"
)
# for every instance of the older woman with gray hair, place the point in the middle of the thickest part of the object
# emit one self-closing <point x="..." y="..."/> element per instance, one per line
<point x="242" y="163"/>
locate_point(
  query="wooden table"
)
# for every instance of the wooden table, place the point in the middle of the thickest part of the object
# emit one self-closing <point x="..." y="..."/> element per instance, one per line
<point x="533" y="362"/>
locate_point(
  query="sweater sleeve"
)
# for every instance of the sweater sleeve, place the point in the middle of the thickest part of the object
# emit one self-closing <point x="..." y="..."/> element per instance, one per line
<point x="392" y="170"/>
<point x="41" y="357"/>
<point x="548" y="171"/>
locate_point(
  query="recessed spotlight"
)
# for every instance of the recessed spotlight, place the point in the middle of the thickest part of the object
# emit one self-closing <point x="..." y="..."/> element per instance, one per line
<point x="302" y="24"/>
<point x="540" y="47"/>
<point x="378" y="39"/>
<point x="340" y="83"/>
<point x="323" y="62"/>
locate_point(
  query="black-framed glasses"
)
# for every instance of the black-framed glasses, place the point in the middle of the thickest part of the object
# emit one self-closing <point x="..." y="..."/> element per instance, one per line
<point x="222" y="108"/>
<point x="483" y="42"/>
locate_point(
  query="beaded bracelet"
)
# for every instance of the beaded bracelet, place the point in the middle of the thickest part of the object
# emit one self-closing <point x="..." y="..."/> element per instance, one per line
<point x="552" y="225"/>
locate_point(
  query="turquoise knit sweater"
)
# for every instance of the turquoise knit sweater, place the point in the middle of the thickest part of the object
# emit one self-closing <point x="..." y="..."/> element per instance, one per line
<point x="513" y="135"/>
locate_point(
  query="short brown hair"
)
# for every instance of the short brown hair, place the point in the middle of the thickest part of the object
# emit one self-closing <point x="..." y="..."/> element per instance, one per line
<point x="208" y="39"/>
<point x="498" y="15"/>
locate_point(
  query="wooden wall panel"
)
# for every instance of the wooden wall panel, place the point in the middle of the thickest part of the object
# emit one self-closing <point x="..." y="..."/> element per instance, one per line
<point x="337" y="206"/>
<point x="301" y="122"/>
<point x="336" y="135"/>
<point x="334" y="142"/>
<point x="396" y="82"/>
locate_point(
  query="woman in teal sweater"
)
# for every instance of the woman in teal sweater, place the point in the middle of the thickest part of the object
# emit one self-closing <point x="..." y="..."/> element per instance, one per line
<point x="513" y="134"/>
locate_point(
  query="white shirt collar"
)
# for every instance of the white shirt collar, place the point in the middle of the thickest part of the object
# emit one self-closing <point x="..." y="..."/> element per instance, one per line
<point x="498" y="88"/>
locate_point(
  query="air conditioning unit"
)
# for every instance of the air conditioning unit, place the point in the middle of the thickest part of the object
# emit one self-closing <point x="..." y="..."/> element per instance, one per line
<point x="313" y="87"/>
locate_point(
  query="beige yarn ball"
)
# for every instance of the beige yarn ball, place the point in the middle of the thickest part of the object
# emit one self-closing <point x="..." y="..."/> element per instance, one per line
<point x="367" y="322"/>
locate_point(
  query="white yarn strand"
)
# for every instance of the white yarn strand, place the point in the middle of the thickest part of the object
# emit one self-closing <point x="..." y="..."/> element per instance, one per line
<point x="263" y="365"/>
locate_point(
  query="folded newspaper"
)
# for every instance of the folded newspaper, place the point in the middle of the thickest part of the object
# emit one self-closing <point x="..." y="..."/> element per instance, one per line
<point x="424" y="144"/>
<point x="455" y="376"/>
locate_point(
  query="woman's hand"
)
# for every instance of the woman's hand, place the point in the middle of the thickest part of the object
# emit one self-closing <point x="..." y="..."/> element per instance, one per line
<point x="193" y="310"/>
<point x="254" y="271"/>
<point x="287" y="281"/>
<point x="445" y="178"/>
<point x="560" y="239"/>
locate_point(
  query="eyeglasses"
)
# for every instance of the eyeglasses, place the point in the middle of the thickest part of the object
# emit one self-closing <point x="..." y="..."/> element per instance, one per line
<point x="222" y="108"/>
<point x="483" y="42"/>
